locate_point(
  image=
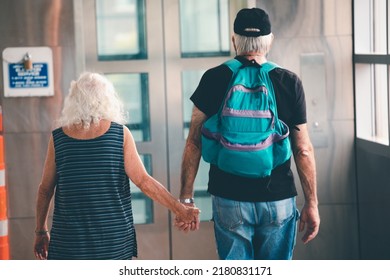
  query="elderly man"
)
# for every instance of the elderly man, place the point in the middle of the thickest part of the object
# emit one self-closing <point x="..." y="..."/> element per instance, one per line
<point x="255" y="217"/>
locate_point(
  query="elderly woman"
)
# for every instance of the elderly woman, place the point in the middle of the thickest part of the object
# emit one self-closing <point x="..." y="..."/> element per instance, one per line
<point x="89" y="161"/>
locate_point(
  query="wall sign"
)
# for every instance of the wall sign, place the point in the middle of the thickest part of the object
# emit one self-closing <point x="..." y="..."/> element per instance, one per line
<point x="28" y="71"/>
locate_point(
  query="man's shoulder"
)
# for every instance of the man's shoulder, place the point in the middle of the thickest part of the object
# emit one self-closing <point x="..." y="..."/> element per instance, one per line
<point x="221" y="68"/>
<point x="217" y="73"/>
<point x="283" y="73"/>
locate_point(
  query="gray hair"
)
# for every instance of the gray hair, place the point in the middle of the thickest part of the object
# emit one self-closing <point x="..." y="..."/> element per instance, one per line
<point x="261" y="44"/>
<point x="91" y="98"/>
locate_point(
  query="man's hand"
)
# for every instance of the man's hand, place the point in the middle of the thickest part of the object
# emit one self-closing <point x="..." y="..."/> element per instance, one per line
<point x="185" y="225"/>
<point x="310" y="219"/>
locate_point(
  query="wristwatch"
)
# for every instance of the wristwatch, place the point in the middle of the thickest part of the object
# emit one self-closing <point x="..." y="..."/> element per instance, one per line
<point x="187" y="200"/>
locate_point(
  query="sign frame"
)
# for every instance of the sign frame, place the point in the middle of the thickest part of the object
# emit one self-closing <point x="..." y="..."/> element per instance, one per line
<point x="21" y="82"/>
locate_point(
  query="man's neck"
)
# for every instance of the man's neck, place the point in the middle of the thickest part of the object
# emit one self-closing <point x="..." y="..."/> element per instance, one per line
<point x="258" y="57"/>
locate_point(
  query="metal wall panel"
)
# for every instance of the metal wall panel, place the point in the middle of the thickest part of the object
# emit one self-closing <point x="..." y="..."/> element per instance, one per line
<point x="27" y="121"/>
<point x="313" y="38"/>
<point x="24" y="168"/>
<point x="374" y="195"/>
<point x="335" y="167"/>
<point x="338" y="237"/>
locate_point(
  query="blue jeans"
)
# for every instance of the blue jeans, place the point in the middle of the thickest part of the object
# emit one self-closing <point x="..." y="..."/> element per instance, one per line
<point x="255" y="230"/>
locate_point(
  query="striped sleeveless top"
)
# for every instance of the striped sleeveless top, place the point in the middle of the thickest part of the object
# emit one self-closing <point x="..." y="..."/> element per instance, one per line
<point x="92" y="216"/>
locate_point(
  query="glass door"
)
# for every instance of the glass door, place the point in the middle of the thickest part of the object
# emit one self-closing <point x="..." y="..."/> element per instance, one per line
<point x="197" y="33"/>
<point x="155" y="53"/>
<point x="123" y="39"/>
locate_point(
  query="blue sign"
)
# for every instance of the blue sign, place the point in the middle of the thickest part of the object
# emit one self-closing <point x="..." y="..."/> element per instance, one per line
<point x="37" y="77"/>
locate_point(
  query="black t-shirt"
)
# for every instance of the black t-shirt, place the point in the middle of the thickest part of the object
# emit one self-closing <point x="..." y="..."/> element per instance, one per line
<point x="291" y="106"/>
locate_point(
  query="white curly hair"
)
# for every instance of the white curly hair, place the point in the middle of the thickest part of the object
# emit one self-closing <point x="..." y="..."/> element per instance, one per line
<point x="91" y="98"/>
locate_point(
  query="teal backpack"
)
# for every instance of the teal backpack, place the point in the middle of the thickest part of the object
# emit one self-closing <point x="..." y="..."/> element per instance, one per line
<point x="246" y="137"/>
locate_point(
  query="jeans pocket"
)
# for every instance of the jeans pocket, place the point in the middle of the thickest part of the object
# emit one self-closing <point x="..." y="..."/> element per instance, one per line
<point x="282" y="211"/>
<point x="227" y="213"/>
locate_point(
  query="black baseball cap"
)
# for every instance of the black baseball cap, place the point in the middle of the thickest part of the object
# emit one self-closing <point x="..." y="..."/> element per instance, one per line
<point x="252" y="22"/>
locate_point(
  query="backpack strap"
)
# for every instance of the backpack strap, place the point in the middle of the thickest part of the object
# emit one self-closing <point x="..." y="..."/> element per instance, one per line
<point x="233" y="65"/>
<point x="269" y="66"/>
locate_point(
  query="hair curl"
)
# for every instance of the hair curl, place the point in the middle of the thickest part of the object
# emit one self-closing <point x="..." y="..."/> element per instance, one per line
<point x="91" y="98"/>
<point x="260" y="44"/>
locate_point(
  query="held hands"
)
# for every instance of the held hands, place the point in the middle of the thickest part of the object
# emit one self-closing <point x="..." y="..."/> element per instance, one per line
<point x="189" y="219"/>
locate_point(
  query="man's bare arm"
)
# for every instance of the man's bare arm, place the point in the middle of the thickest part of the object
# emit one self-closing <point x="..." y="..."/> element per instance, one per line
<point x="192" y="154"/>
<point x="190" y="164"/>
<point x="305" y="162"/>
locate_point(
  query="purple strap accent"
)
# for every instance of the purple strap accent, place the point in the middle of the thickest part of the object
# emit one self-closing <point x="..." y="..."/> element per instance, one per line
<point x="262" y="89"/>
<point x="274" y="137"/>
<point x="257" y="147"/>
<point x="229" y="112"/>
<point x="211" y="135"/>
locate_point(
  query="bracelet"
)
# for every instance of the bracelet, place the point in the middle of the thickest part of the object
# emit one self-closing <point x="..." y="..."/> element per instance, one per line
<point x="187" y="200"/>
<point x="41" y="232"/>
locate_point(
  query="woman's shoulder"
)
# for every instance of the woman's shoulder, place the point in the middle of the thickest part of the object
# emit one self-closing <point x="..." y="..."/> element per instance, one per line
<point x="118" y="128"/>
<point x="57" y="131"/>
<point x="117" y="125"/>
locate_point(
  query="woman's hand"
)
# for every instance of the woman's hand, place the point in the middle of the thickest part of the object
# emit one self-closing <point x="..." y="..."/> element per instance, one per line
<point x="188" y="220"/>
<point x="41" y="245"/>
